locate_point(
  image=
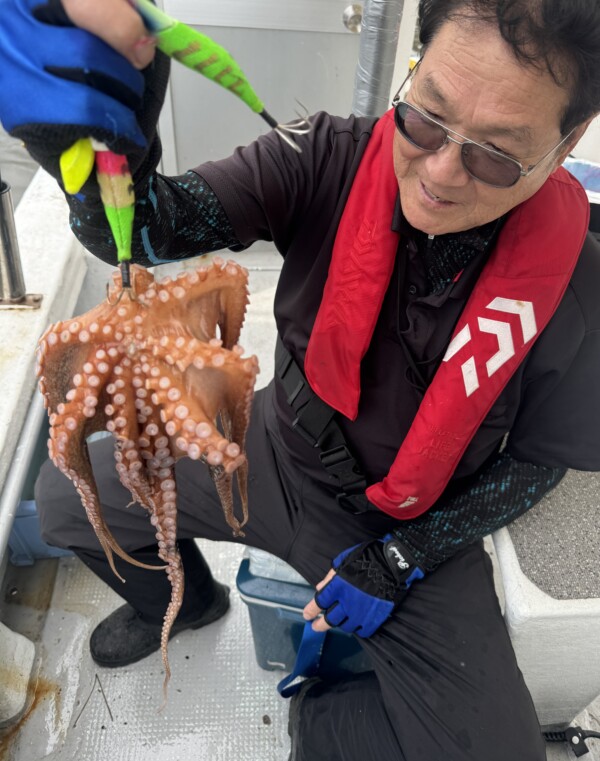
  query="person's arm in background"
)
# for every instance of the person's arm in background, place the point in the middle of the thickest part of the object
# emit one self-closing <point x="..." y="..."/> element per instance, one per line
<point x="175" y="218"/>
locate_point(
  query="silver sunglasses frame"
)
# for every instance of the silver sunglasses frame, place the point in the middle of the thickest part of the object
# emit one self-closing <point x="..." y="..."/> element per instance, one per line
<point x="397" y="101"/>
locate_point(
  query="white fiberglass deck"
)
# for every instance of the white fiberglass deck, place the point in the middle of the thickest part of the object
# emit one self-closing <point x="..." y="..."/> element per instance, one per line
<point x="221" y="705"/>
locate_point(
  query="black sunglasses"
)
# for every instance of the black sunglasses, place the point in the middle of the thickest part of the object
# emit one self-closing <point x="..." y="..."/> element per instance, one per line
<point x="483" y="164"/>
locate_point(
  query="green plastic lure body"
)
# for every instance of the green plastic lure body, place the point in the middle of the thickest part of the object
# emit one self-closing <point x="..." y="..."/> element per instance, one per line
<point x="199" y="53"/>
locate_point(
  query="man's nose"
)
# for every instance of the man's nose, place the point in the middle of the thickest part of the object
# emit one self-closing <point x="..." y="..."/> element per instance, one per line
<point x="445" y="167"/>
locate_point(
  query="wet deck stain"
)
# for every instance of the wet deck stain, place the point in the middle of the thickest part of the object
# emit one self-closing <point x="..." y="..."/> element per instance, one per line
<point x="43" y="689"/>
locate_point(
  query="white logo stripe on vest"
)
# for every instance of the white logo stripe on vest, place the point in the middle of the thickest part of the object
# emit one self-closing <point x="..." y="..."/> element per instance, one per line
<point x="506" y="347"/>
<point x="502" y="331"/>
<point x="460" y="339"/>
<point x="525" y="311"/>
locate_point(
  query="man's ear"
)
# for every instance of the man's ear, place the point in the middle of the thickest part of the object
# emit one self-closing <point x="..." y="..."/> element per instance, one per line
<point x="578" y="133"/>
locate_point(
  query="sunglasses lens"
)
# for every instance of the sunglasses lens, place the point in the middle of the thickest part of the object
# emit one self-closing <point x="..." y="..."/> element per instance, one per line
<point x="488" y="167"/>
<point x="418" y="130"/>
<point x="485" y="166"/>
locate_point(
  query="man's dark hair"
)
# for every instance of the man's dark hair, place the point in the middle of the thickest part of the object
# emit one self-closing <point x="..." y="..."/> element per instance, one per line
<point x="563" y="36"/>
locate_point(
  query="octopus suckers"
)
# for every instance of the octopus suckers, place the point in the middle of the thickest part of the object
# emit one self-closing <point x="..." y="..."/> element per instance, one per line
<point x="157" y="366"/>
<point x="194" y="451"/>
<point x="182" y="444"/>
<point x="181" y="412"/>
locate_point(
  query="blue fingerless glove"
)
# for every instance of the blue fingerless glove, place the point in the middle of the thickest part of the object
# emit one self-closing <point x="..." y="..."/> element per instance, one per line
<point x="59" y="83"/>
<point x="371" y="580"/>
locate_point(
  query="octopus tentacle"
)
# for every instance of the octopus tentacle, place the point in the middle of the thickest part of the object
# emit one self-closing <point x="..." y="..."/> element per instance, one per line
<point x="241" y="472"/>
<point x="71" y="424"/>
<point x="235" y="417"/>
<point x="163" y="503"/>
<point x="128" y="453"/>
<point x="206" y="298"/>
<point x="157" y="365"/>
<point x="233" y="303"/>
<point x="224" y="485"/>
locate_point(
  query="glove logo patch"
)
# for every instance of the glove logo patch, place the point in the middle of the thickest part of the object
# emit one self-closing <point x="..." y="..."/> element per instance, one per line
<point x="399" y="558"/>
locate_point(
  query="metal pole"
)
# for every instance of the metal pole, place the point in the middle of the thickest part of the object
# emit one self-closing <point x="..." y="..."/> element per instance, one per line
<point x="12" y="284"/>
<point x="376" y="59"/>
<point x="21" y="461"/>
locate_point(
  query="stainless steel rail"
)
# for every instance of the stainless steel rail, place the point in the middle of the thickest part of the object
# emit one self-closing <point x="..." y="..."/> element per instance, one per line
<point x="12" y="284"/>
<point x="21" y="462"/>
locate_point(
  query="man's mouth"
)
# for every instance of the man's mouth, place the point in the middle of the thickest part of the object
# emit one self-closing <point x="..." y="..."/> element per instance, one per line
<point x="433" y="196"/>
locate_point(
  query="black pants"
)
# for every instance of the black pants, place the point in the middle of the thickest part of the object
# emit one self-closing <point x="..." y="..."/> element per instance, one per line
<point x="446" y="686"/>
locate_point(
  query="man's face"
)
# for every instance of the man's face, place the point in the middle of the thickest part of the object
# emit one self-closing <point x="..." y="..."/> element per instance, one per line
<point x="470" y="81"/>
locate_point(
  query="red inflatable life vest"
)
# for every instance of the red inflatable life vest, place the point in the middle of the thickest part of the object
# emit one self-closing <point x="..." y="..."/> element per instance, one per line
<point x="516" y="295"/>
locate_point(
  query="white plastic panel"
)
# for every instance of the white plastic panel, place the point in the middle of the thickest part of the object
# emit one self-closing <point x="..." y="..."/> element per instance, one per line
<point x="298" y="15"/>
<point x="207" y="122"/>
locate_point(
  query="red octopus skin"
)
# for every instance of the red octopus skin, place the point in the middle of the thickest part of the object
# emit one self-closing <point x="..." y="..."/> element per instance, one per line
<point x="157" y="365"/>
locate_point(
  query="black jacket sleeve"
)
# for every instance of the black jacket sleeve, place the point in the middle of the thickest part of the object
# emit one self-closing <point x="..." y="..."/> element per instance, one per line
<point x="175" y="218"/>
<point x="502" y="492"/>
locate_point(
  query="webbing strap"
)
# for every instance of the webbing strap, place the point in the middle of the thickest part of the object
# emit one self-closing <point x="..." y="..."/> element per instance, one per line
<point x="307" y="661"/>
<point x="315" y="422"/>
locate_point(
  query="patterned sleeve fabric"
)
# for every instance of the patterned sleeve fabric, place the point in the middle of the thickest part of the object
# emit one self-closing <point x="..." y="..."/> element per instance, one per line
<point x="175" y="218"/>
<point x="503" y="492"/>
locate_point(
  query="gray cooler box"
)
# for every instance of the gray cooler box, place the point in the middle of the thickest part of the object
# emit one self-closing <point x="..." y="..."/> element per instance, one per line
<point x="275" y="609"/>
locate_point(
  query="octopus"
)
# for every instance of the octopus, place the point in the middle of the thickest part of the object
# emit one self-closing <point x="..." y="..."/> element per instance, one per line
<point x="156" y="364"/>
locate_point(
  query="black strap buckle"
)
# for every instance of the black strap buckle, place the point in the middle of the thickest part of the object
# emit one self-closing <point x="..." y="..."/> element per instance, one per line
<point x="353" y="503"/>
<point x="340" y="463"/>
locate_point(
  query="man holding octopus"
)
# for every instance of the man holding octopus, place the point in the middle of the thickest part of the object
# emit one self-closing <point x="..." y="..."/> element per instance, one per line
<point x="406" y="240"/>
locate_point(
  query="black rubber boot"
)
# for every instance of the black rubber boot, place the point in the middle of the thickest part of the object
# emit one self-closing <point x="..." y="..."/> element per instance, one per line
<point x="133" y="631"/>
<point x="124" y="637"/>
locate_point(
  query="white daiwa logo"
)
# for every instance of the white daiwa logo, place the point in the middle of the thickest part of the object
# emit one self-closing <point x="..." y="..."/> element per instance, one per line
<point x="503" y="333"/>
<point x="408" y="502"/>
<point x="402" y="564"/>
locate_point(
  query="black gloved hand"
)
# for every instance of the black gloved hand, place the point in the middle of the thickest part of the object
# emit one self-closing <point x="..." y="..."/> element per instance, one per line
<point x="59" y="83"/>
